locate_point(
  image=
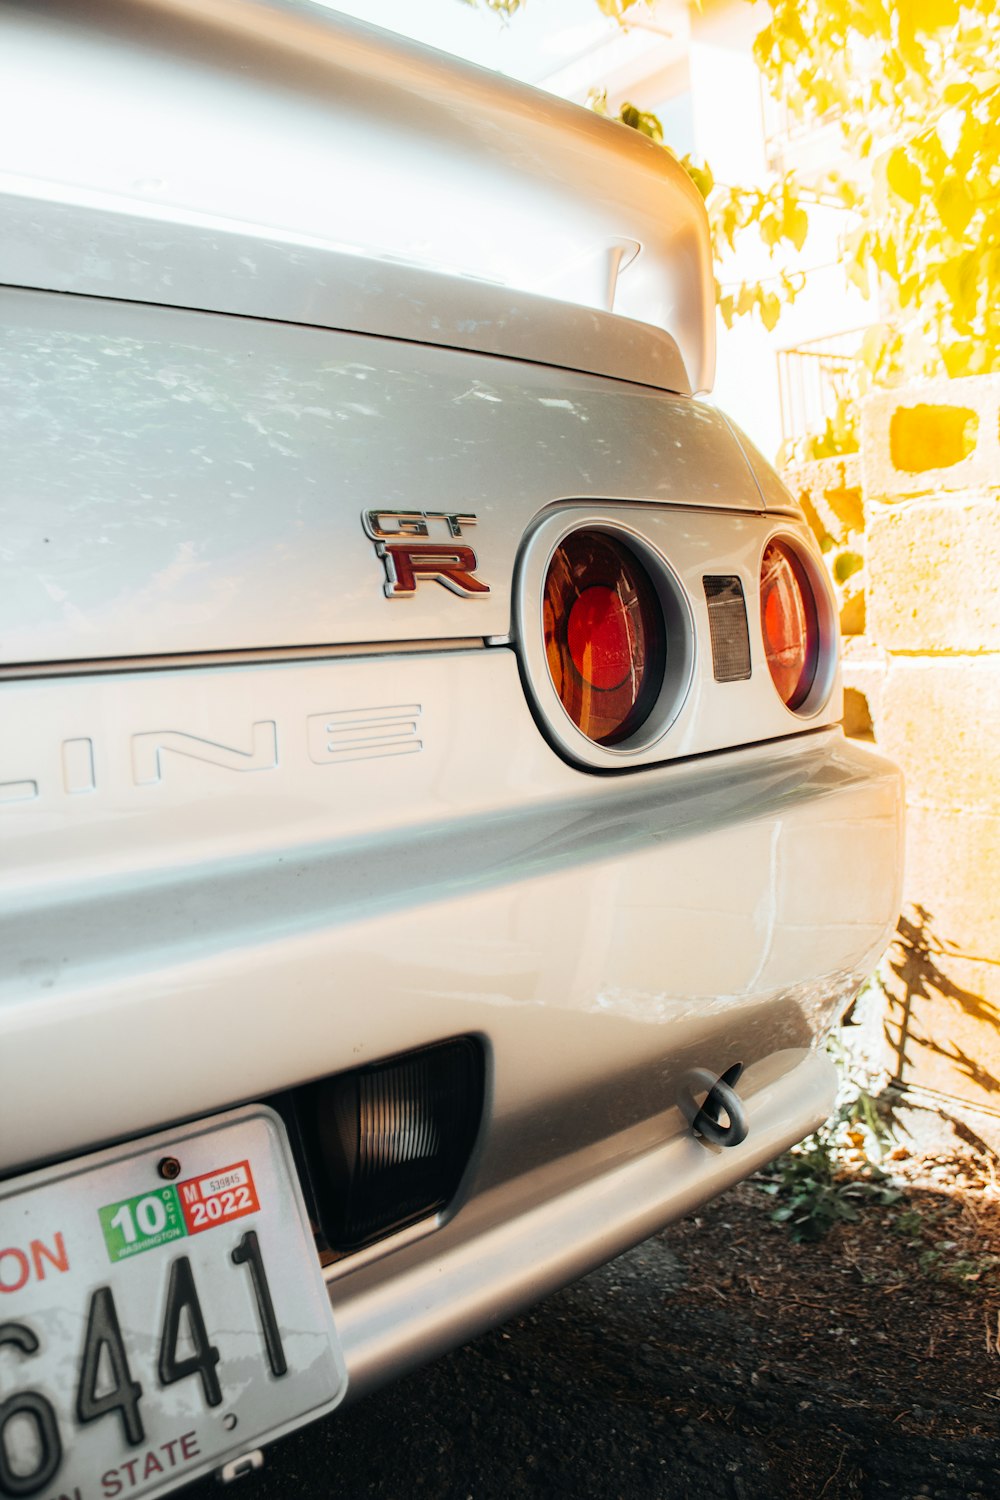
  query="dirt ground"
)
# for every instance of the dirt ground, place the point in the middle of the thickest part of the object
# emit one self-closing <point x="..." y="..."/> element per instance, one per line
<point x="867" y="1363"/>
<point x="718" y="1359"/>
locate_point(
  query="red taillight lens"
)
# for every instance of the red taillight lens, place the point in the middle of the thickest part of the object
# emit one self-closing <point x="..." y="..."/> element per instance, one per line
<point x="605" y="639"/>
<point x="789" y="622"/>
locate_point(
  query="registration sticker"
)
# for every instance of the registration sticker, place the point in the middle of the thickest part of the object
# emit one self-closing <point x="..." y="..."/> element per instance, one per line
<point x="141" y="1223"/>
<point x="218" y="1197"/>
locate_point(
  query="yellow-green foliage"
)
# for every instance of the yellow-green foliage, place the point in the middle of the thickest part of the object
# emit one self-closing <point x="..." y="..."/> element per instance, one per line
<point x="915" y="88"/>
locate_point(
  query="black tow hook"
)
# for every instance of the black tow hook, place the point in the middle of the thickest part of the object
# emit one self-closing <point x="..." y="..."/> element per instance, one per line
<point x="721" y="1099"/>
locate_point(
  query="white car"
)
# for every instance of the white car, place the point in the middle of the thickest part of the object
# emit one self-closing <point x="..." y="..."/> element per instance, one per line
<point x="430" y="854"/>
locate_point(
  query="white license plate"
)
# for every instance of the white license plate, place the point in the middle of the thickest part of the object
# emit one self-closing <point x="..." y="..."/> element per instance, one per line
<point x="153" y="1328"/>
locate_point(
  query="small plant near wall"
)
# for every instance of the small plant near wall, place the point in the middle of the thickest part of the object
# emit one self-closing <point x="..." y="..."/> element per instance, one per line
<point x="836" y="1172"/>
<point x="841" y="433"/>
<point x="815" y="1190"/>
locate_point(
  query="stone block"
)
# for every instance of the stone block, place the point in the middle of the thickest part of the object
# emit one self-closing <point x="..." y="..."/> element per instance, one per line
<point x="939" y="719"/>
<point x="933" y="568"/>
<point x="857" y="721"/>
<point x="930" y="439"/>
<point x="829" y="491"/>
<point x="953" y="875"/>
<point x="945" y="1127"/>
<point x="864" y="668"/>
<point x="853" y="612"/>
<point x="943" y="1018"/>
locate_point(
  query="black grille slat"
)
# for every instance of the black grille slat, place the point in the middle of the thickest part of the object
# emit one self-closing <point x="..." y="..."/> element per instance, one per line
<point x="727" y="623"/>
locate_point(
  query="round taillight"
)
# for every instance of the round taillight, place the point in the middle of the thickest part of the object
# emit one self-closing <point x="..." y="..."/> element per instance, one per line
<point x="789" y="622"/>
<point x="605" y="640"/>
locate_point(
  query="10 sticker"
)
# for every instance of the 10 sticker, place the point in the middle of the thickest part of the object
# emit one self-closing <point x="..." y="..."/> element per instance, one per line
<point x="149" y="1220"/>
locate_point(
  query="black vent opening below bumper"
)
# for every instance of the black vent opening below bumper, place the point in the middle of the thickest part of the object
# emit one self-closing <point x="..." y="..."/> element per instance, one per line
<point x="387" y="1145"/>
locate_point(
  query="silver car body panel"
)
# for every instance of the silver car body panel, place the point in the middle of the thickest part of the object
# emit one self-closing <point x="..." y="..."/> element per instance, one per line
<point x="134" y="258"/>
<point x="113" y="105"/>
<point x="181" y="481"/>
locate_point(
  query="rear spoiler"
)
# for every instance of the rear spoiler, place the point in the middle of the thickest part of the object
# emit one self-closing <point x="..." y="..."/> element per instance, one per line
<point x="219" y="125"/>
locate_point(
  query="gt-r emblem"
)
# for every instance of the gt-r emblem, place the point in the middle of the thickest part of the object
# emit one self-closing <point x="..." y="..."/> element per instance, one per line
<point x="408" y="560"/>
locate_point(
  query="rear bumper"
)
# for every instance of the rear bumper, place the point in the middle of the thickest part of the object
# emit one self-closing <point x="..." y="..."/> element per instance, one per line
<point x="433" y="1296"/>
<point x="215" y="906"/>
<point x="231" y="909"/>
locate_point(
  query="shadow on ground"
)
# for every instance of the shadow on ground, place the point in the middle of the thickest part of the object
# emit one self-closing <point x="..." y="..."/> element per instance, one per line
<point x="717" y="1359"/>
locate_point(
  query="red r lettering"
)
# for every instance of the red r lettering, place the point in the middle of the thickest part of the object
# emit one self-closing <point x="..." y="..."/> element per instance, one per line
<point x="450" y="566"/>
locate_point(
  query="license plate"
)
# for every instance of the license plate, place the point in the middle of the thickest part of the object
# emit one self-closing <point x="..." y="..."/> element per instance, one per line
<point x="162" y="1311"/>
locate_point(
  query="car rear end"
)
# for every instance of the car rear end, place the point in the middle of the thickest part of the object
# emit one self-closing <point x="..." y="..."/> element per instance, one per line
<point x="420" y="750"/>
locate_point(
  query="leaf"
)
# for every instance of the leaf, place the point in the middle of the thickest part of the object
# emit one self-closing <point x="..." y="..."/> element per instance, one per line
<point x="885" y="256"/>
<point x="643" y="121"/>
<point x="856" y="260"/>
<point x="874" y="345"/>
<point x="845" y="564"/>
<point x="957" y="358"/>
<point x="700" y="174"/>
<point x="960" y="278"/>
<point x="913" y="58"/>
<point x="846" y="193"/>
<point x="903" y="176"/>
<point x="729" y="223"/>
<point x="929" y="150"/>
<point x="770" y="230"/>
<point x="616" y="9"/>
<point x="797" y="226"/>
<point x="871" y="19"/>
<point x="746" y="300"/>
<point x="770" y="310"/>
<point x="927" y="15"/>
<point x="956" y="205"/>
<point x="505" y="8"/>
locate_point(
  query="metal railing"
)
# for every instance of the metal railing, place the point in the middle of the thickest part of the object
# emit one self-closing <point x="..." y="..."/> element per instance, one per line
<point x="812" y="377"/>
<point x="786" y="132"/>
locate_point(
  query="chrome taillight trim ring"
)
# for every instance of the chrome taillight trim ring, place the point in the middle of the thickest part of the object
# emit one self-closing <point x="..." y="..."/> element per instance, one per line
<point x="529" y="633"/>
<point x="828" y="648"/>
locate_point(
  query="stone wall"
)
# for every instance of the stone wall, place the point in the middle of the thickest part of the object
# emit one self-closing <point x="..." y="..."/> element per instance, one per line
<point x="923" y="679"/>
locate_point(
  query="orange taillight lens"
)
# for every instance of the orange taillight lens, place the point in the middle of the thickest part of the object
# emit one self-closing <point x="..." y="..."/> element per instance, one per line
<point x="789" y="622"/>
<point x="605" y="639"/>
